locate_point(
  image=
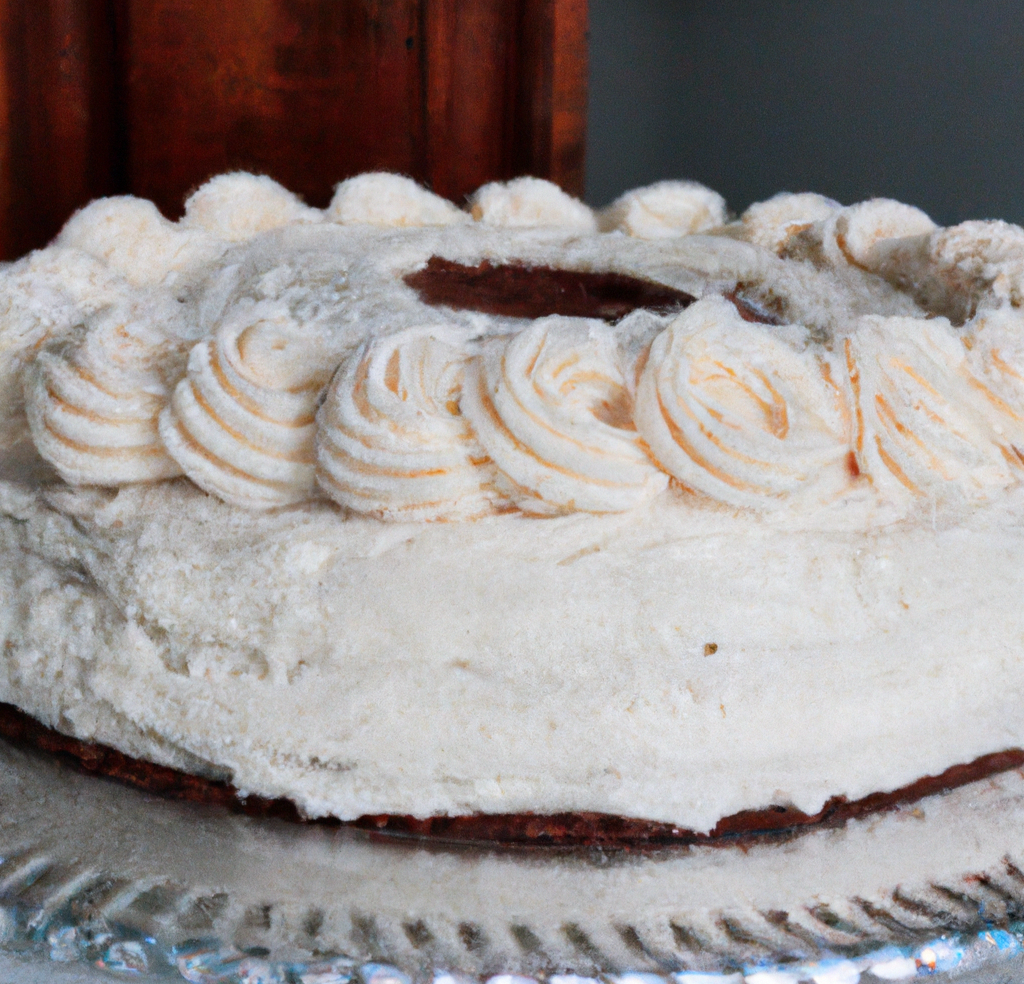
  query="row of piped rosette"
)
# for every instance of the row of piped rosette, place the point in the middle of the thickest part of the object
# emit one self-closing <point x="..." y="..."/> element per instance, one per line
<point x="429" y="423"/>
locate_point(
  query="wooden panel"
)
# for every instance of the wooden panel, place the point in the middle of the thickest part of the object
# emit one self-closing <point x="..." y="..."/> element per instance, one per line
<point x="306" y="91"/>
<point x="56" y="102"/>
<point x="470" y="64"/>
<point x="551" y="113"/>
<point x="156" y="96"/>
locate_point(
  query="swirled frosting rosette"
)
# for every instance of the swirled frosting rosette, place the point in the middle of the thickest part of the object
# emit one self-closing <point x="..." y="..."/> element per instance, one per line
<point x="391" y="439"/>
<point x="93" y="404"/>
<point x="551" y="408"/>
<point x="958" y="270"/>
<point x="744" y="413"/>
<point x="241" y="422"/>
<point x="922" y="425"/>
<point x="995" y="360"/>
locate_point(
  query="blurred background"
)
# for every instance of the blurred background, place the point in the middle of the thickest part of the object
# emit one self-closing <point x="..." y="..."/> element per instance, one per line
<point x="919" y="100"/>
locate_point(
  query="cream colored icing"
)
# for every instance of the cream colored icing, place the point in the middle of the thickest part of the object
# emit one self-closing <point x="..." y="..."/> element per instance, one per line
<point x="841" y="522"/>
<point x="526" y="202"/>
<point x="744" y="413"/>
<point x="551" y="408"/>
<point x="771" y="223"/>
<point x="360" y="667"/>
<point x="390" y="200"/>
<point x="93" y="405"/>
<point x="241" y="422"/>
<point x="392" y="441"/>
<point x="667" y="208"/>
<point x="235" y="207"/>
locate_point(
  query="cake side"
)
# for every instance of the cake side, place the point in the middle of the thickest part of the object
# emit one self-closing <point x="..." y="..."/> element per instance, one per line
<point x="683" y="670"/>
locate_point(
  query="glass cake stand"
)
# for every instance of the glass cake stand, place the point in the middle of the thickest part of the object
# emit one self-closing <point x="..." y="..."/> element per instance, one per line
<point x="98" y="880"/>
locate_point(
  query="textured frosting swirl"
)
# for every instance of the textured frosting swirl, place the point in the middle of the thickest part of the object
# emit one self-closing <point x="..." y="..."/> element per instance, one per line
<point x="235" y="207"/>
<point x="93" y="404"/>
<point x="954" y="271"/>
<point x="995" y="358"/>
<point x="391" y="440"/>
<point x="923" y="426"/>
<point x="390" y="200"/>
<point x="527" y="202"/>
<point x="741" y="412"/>
<point x="667" y="208"/>
<point x="850" y="235"/>
<point x="551" y="408"/>
<point x="771" y="223"/>
<point x="241" y="422"/>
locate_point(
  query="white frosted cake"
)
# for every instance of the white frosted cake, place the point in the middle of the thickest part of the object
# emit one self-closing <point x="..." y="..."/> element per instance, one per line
<point x="398" y="508"/>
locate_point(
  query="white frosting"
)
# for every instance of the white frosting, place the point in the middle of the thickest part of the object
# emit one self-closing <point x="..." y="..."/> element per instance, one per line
<point x="995" y="359"/>
<point x="93" y="405"/>
<point x="390" y="200"/>
<point x="667" y="208"/>
<point x="241" y="422"/>
<point x="922" y="428"/>
<point x="743" y="413"/>
<point x="551" y="408"/>
<point x="392" y="441"/>
<point x="42" y="298"/>
<point x="517" y="662"/>
<point x="235" y="207"/>
<point x="852" y="233"/>
<point x="512" y="663"/>
<point x="956" y="271"/>
<point x="525" y="202"/>
<point x="133" y="238"/>
<point x="771" y="223"/>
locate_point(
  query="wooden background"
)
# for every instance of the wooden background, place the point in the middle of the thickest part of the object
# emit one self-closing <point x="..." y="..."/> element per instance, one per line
<point x="152" y="97"/>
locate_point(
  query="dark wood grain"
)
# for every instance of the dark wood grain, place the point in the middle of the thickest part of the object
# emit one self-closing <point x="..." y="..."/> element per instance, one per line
<point x="56" y="115"/>
<point x="153" y="97"/>
<point x="307" y="91"/>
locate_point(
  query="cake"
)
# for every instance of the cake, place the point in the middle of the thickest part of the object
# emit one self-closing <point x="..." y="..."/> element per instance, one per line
<point x="398" y="509"/>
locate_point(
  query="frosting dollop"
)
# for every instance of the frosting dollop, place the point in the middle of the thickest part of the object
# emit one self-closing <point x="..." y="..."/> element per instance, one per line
<point x="530" y="202"/>
<point x="852" y="234"/>
<point x="746" y="413"/>
<point x="131" y="236"/>
<point x="995" y="359"/>
<point x="552" y="409"/>
<point x="922" y="425"/>
<point x="241" y="422"/>
<point x="667" y="208"/>
<point x="391" y="439"/>
<point x="235" y="207"/>
<point x="771" y="223"/>
<point x="960" y="269"/>
<point x="93" y="403"/>
<point x="390" y="200"/>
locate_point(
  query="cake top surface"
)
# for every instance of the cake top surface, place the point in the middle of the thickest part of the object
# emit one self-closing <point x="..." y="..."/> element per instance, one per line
<point x="412" y="361"/>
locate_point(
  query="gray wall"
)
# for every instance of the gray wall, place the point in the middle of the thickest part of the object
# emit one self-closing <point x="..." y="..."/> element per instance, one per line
<point x="920" y="100"/>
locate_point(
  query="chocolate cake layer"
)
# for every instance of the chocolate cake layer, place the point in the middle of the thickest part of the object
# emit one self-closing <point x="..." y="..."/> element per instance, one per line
<point x="522" y="291"/>
<point x="521" y="829"/>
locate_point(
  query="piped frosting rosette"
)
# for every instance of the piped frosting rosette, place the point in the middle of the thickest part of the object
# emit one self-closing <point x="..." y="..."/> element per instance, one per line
<point x="744" y="413"/>
<point x="391" y="440"/>
<point x="923" y="426"/>
<point x="551" y="408"/>
<point x="241" y="422"/>
<point x="995" y="358"/>
<point x="93" y="404"/>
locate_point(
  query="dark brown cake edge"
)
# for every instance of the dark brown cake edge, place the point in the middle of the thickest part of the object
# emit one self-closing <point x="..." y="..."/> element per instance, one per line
<point x="517" y="829"/>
